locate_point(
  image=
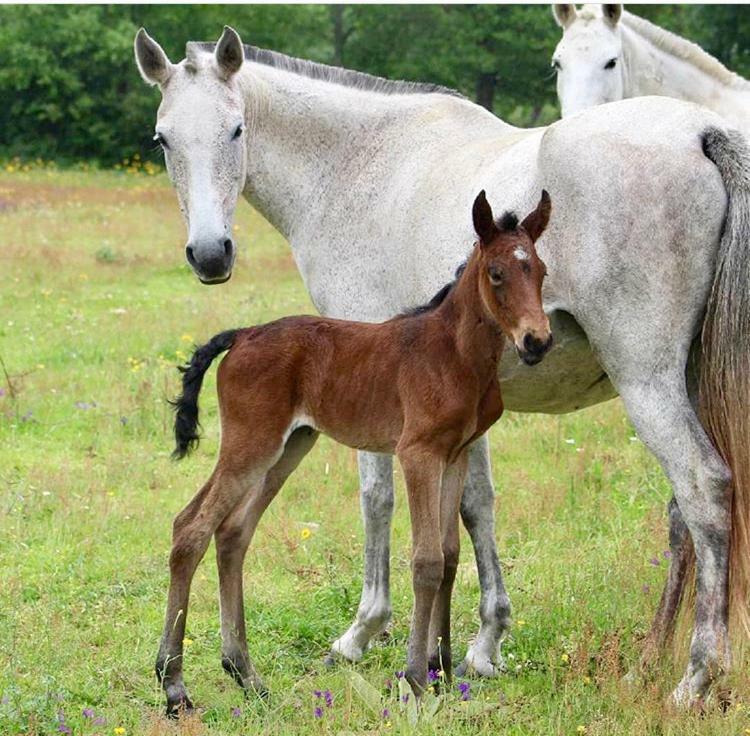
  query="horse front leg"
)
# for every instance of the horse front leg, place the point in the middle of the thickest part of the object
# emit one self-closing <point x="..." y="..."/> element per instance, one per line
<point x="374" y="612"/>
<point x="478" y="515"/>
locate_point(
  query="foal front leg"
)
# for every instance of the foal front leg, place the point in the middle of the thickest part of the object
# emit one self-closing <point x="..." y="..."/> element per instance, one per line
<point x="422" y="473"/>
<point x="440" y="620"/>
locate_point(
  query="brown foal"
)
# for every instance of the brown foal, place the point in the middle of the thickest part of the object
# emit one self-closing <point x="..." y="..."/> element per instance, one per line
<point x="422" y="385"/>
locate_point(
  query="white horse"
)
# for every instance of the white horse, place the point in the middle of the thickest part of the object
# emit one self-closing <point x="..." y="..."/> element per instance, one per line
<point x="370" y="180"/>
<point x="607" y="54"/>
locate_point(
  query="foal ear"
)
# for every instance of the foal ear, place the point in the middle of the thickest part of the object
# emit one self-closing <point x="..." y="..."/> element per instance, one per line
<point x="229" y="53"/>
<point x="536" y="222"/>
<point x="484" y="224"/>
<point x="612" y="13"/>
<point x="564" y="14"/>
<point x="153" y="64"/>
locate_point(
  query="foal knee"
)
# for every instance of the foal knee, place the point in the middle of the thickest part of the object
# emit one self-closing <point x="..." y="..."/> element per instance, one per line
<point x="428" y="572"/>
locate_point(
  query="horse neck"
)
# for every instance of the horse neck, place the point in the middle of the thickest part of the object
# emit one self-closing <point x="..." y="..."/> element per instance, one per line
<point x="303" y="132"/>
<point x="652" y="70"/>
<point x="478" y="338"/>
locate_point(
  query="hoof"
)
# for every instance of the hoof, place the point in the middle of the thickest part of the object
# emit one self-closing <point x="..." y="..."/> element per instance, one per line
<point x="345" y="648"/>
<point x="179" y="708"/>
<point x="480" y="666"/>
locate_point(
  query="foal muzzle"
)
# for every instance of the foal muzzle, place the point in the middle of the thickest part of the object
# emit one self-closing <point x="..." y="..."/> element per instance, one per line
<point x="533" y="349"/>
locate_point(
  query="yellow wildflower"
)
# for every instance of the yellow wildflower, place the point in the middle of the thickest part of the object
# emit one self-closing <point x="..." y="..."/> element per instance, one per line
<point x="564" y="658"/>
<point x="305" y="533"/>
<point x="187" y="642"/>
<point x="581" y="729"/>
<point x="119" y="730"/>
<point x="186" y="338"/>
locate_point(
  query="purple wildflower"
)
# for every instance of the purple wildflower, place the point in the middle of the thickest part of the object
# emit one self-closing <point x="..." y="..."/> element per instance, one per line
<point x="433" y="675"/>
<point x="60" y="716"/>
<point x="328" y="698"/>
<point x="405" y="698"/>
<point x="62" y="728"/>
<point x="236" y="712"/>
<point x="389" y="684"/>
<point x="317" y="693"/>
<point x="100" y="721"/>
<point x="88" y="712"/>
<point x="654" y="561"/>
<point x="318" y="712"/>
<point x="464" y="688"/>
<point x="400" y="675"/>
<point x="667" y="554"/>
<point x="386" y="713"/>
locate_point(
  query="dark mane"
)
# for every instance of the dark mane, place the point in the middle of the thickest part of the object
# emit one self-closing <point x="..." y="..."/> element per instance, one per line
<point x="326" y="73"/>
<point x="436" y="300"/>
<point x="508" y="222"/>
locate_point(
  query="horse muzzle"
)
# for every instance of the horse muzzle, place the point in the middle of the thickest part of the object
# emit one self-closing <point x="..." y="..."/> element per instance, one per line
<point x="211" y="262"/>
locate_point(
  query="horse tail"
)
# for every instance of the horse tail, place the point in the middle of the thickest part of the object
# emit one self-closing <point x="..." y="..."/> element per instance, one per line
<point x="724" y="393"/>
<point x="186" y="404"/>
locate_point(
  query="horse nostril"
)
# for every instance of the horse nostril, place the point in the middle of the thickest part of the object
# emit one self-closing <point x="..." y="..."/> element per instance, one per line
<point x="228" y="248"/>
<point x="190" y="255"/>
<point x="528" y="343"/>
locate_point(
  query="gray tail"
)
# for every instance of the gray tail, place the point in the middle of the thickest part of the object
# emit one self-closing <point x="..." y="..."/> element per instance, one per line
<point x="186" y="404"/>
<point x="725" y="362"/>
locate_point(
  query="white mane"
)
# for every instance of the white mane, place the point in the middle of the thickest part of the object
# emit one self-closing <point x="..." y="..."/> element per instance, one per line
<point x="679" y="47"/>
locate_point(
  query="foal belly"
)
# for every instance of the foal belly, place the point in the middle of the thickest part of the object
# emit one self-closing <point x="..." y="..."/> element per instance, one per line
<point x="569" y="378"/>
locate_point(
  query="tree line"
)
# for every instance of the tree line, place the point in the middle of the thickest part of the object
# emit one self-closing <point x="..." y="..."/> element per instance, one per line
<point x="70" y="90"/>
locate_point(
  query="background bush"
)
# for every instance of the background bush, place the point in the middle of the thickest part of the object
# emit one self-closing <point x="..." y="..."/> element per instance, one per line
<point x="70" y="90"/>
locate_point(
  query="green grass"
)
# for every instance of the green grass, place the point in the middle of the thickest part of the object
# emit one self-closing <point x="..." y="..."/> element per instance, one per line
<point x="96" y="308"/>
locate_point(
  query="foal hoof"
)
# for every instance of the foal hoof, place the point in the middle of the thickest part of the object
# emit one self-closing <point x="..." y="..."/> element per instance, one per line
<point x="179" y="707"/>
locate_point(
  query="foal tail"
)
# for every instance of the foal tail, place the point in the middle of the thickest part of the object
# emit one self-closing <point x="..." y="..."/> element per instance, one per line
<point x="186" y="404"/>
<point x="725" y="364"/>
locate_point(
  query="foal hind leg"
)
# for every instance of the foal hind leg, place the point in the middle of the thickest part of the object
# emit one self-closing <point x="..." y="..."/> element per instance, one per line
<point x="232" y="540"/>
<point x="440" y="619"/>
<point x="478" y="515"/>
<point x="192" y="533"/>
<point x="374" y="612"/>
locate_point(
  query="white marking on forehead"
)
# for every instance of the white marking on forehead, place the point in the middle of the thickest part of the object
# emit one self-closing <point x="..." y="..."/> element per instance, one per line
<point x="521" y="254"/>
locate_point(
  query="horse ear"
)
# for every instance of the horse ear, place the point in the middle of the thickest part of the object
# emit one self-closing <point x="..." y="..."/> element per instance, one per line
<point x="153" y="64"/>
<point x="229" y="53"/>
<point x="536" y="222"/>
<point x="612" y="13"/>
<point x="564" y="14"/>
<point x="484" y="223"/>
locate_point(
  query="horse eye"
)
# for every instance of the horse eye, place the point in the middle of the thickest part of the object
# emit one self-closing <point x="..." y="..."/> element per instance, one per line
<point x="238" y="132"/>
<point x="159" y="138"/>
<point x="611" y="63"/>
<point x="495" y="275"/>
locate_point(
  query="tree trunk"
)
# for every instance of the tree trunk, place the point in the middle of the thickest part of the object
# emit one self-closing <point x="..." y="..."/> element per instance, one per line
<point x="486" y="85"/>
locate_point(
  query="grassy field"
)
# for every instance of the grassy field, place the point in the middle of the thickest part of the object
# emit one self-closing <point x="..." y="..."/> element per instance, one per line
<point x="96" y="309"/>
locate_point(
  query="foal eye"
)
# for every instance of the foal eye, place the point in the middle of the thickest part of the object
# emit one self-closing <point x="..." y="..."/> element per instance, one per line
<point x="611" y="63"/>
<point x="159" y="138"/>
<point x="495" y="275"/>
<point x="238" y="132"/>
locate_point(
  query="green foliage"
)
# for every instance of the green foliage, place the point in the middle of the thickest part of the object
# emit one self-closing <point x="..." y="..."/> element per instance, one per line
<point x="70" y="88"/>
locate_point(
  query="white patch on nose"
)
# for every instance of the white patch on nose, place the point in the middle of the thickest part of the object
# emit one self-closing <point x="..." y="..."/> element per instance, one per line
<point x="521" y="254"/>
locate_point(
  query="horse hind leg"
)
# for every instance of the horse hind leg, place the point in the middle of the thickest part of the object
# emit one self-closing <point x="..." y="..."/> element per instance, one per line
<point x="478" y="514"/>
<point x="374" y="611"/>
<point x="232" y="540"/>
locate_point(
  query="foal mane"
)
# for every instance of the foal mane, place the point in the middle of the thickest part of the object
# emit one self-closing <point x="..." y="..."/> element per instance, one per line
<point x="507" y="222"/>
<point x="326" y="73"/>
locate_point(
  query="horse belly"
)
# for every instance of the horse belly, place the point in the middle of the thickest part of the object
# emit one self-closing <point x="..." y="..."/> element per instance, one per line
<point x="569" y="378"/>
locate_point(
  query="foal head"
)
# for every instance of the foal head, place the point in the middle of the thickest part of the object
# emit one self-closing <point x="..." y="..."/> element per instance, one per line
<point x="511" y="275"/>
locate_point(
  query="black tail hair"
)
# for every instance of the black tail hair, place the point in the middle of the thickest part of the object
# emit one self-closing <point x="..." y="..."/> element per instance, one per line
<point x="186" y="404"/>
